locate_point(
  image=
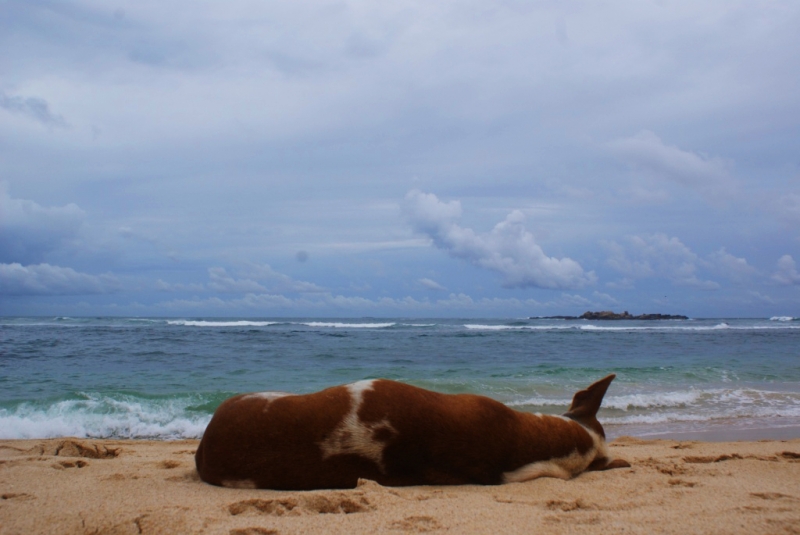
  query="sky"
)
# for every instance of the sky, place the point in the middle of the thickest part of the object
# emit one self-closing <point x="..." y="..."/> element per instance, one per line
<point x="399" y="159"/>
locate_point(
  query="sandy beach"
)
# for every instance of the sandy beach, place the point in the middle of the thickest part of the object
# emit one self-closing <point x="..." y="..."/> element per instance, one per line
<point x="129" y="486"/>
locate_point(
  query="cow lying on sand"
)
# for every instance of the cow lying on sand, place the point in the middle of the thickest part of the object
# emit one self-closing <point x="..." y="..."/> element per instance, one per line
<point x="397" y="435"/>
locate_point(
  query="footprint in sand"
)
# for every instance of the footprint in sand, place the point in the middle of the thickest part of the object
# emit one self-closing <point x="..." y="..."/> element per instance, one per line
<point x="190" y="476"/>
<point x="419" y="524"/>
<point x="572" y="505"/>
<point x="681" y="483"/>
<point x="772" y="496"/>
<point x="711" y="459"/>
<point x="69" y="464"/>
<point x="303" y="505"/>
<point x="17" y="496"/>
<point x="73" y="448"/>
<point x="253" y="531"/>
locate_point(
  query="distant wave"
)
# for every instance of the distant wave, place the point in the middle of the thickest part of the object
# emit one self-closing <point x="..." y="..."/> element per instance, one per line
<point x="683" y="406"/>
<point x="248" y="323"/>
<point x="624" y="402"/>
<point x="343" y="325"/>
<point x="482" y="327"/>
<point x="201" y="323"/>
<point x="783" y="318"/>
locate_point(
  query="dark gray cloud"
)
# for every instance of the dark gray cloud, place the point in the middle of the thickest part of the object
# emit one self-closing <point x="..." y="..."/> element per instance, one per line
<point x="240" y="134"/>
<point x="30" y="231"/>
<point x="33" y="107"/>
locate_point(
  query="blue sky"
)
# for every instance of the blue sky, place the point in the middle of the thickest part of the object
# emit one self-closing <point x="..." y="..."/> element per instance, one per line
<point x="404" y="158"/>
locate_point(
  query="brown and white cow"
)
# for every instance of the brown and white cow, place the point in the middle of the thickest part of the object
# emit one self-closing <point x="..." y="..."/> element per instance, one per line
<point x="396" y="434"/>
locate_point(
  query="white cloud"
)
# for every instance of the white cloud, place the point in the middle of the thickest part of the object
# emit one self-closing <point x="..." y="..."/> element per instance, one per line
<point x="44" y="279"/>
<point x="29" y="230"/>
<point x="163" y="286"/>
<point x="758" y="296"/>
<point x="331" y="303"/>
<point x="281" y="282"/>
<point x="222" y="282"/>
<point x="647" y="154"/>
<point x="605" y="298"/>
<point x="730" y="266"/>
<point x="259" y="280"/>
<point x="788" y="209"/>
<point x="432" y="285"/>
<point x="787" y="271"/>
<point x="156" y="242"/>
<point x="509" y="249"/>
<point x="658" y="255"/>
<point x="622" y="284"/>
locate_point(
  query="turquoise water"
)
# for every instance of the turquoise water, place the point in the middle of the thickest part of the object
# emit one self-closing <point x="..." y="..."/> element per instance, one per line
<point x="163" y="378"/>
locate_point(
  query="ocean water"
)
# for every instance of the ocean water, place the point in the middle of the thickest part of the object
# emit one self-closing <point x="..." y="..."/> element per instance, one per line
<point x="162" y="378"/>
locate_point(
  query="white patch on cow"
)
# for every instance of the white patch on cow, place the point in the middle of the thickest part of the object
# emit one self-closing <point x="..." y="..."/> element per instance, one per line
<point x="239" y="484"/>
<point x="269" y="396"/>
<point x="352" y="436"/>
<point x="565" y="467"/>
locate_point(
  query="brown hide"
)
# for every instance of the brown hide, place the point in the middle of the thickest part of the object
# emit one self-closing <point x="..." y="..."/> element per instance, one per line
<point x="423" y="438"/>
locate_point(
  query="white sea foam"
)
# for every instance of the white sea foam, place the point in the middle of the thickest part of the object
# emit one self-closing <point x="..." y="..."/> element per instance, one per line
<point x="342" y="325"/>
<point x="493" y="327"/>
<point x="623" y="402"/>
<point x="479" y="327"/>
<point x="684" y="406"/>
<point x="129" y="416"/>
<point x="242" y="323"/>
<point x="782" y="318"/>
<point x="540" y="402"/>
<point x="100" y="416"/>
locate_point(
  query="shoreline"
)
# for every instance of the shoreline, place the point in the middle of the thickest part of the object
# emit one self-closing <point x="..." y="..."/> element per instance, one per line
<point x="718" y="432"/>
<point x="70" y="485"/>
<point x="711" y="434"/>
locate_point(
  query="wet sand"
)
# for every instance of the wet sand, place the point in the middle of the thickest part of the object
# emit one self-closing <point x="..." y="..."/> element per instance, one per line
<point x="131" y="486"/>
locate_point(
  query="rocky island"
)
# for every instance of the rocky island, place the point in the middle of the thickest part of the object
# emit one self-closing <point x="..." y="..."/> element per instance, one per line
<point x="608" y="315"/>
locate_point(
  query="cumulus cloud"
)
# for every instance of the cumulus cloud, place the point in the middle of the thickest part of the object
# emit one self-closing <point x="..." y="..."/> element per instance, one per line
<point x="32" y="107"/>
<point x="28" y="230"/>
<point x="647" y="154"/>
<point x="458" y="303"/>
<point x="730" y="266"/>
<point x="44" y="279"/>
<point x="163" y="286"/>
<point x="255" y="280"/>
<point x="432" y="285"/>
<point x="156" y="242"/>
<point x="222" y="282"/>
<point x="657" y="255"/>
<point x="787" y="208"/>
<point x="280" y="282"/>
<point x="509" y="249"/>
<point x="787" y="271"/>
